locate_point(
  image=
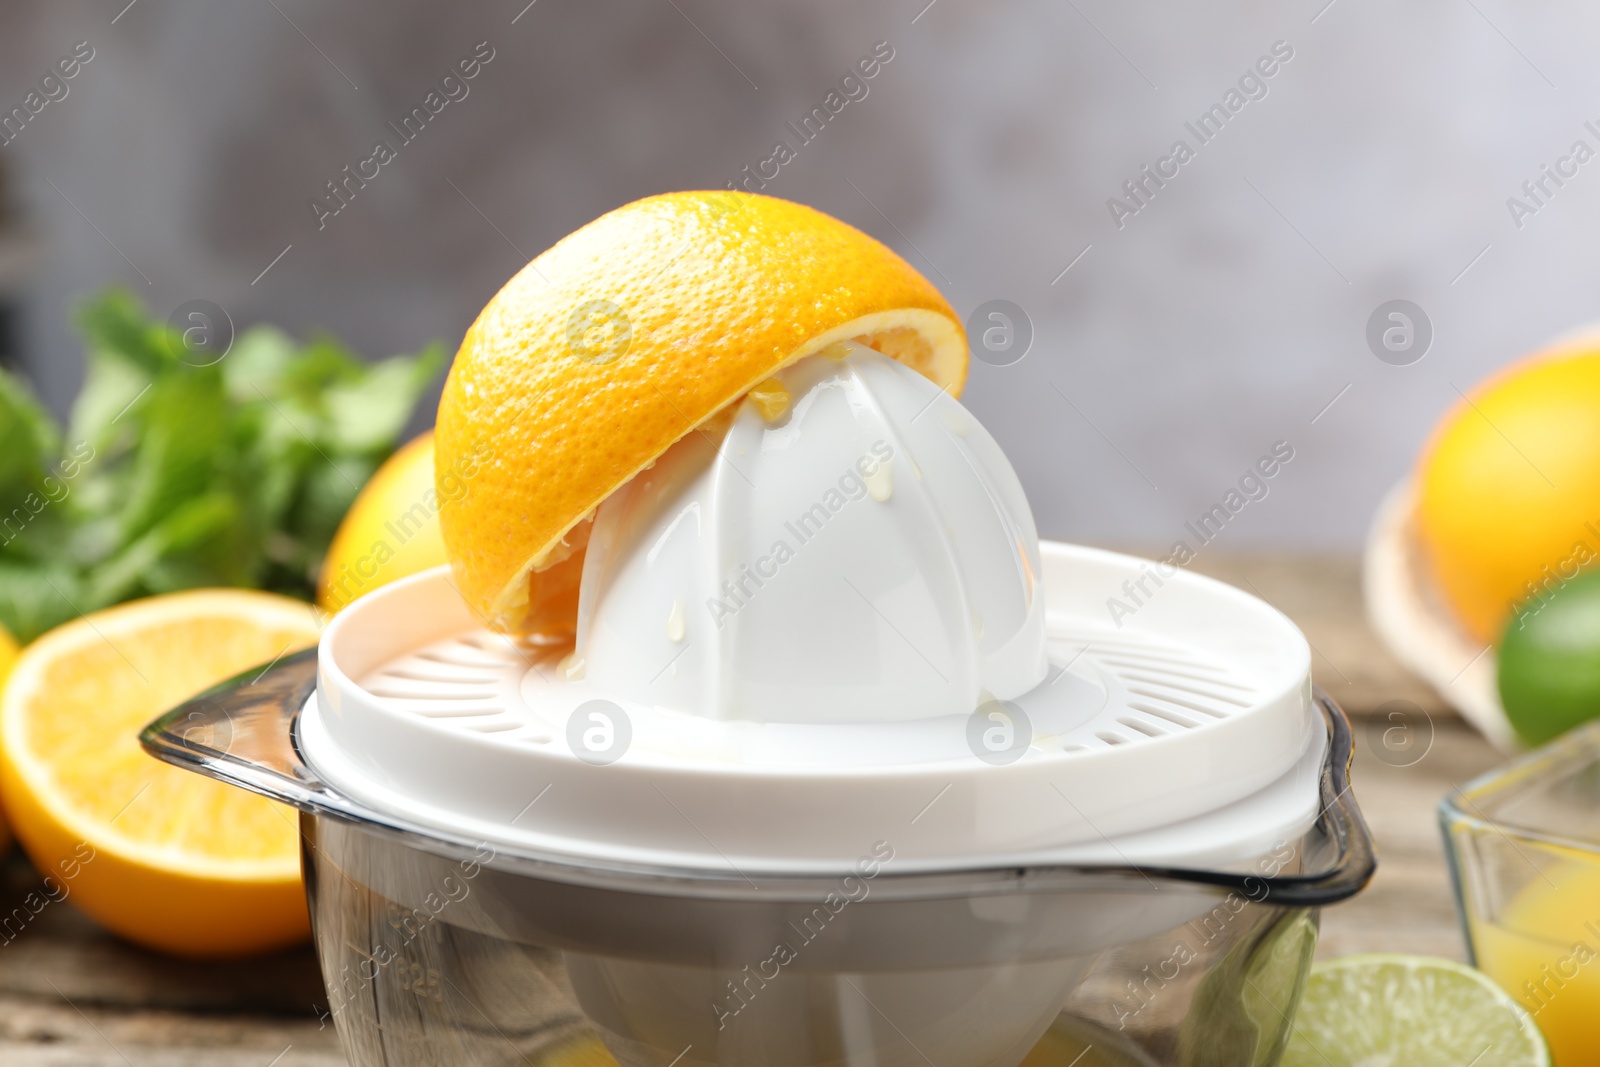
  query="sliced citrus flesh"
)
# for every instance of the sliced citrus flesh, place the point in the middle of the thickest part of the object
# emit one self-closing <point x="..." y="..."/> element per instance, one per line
<point x="625" y="336"/>
<point x="9" y="651"/>
<point x="1508" y="487"/>
<point x="392" y="528"/>
<point x="159" y="855"/>
<point x="1409" y="1011"/>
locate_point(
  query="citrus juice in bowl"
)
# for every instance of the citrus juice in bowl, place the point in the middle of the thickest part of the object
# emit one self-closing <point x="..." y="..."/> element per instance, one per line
<point x="1524" y="846"/>
<point x="1545" y="950"/>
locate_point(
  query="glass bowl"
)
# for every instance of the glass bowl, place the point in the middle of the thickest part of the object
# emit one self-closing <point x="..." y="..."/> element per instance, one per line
<point x="442" y="949"/>
<point x="1524" y="849"/>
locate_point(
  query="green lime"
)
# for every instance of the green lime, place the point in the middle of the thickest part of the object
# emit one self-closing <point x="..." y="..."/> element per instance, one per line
<point x="1550" y="661"/>
<point x="1409" y="1011"/>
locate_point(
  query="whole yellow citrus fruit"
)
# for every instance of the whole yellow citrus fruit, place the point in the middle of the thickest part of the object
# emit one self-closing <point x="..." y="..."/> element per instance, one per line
<point x="391" y="530"/>
<point x="1508" y="502"/>
<point x="159" y="855"/>
<point x="625" y="336"/>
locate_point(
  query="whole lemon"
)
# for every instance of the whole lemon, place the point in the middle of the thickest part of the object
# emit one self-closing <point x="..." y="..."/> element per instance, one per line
<point x="1509" y="487"/>
<point x="391" y="530"/>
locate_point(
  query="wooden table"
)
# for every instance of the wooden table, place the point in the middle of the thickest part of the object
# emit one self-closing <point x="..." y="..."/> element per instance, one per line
<point x="70" y="994"/>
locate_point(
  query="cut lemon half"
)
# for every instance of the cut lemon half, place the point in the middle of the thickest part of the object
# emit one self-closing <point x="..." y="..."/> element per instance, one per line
<point x="1409" y="1011"/>
<point x="159" y="855"/>
<point x="626" y="336"/>
<point x="9" y="651"/>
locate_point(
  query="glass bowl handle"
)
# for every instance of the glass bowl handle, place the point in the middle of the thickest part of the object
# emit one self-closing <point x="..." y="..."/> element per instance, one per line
<point x="241" y="732"/>
<point x="1352" y="860"/>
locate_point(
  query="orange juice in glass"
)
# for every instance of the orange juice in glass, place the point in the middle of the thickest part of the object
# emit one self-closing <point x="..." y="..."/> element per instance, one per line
<point x="1524" y="845"/>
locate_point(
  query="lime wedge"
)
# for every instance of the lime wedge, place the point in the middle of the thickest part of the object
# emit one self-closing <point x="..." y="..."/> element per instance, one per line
<point x="1409" y="1011"/>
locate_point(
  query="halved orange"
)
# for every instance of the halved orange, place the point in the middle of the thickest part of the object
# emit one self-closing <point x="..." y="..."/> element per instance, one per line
<point x="624" y="337"/>
<point x="159" y="855"/>
<point x="9" y="651"/>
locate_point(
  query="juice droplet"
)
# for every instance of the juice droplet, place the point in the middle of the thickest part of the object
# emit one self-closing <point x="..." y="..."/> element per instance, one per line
<point x="837" y="350"/>
<point x="880" y="483"/>
<point x="675" y="622"/>
<point x="571" y="666"/>
<point x="771" y="398"/>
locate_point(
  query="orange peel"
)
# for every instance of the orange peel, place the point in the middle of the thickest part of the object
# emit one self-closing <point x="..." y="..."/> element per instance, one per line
<point x="629" y="334"/>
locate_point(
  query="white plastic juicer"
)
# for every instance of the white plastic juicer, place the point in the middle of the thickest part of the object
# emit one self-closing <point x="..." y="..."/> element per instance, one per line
<point x="845" y="767"/>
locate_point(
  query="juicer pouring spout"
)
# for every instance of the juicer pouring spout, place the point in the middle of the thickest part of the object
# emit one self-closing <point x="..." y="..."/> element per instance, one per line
<point x="241" y="732"/>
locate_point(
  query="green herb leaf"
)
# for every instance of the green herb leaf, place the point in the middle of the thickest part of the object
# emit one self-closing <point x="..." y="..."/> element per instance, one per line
<point x="35" y="598"/>
<point x="29" y="441"/>
<point x="177" y="476"/>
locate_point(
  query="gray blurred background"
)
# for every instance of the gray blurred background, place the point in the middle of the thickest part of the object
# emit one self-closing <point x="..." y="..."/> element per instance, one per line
<point x="1228" y="314"/>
